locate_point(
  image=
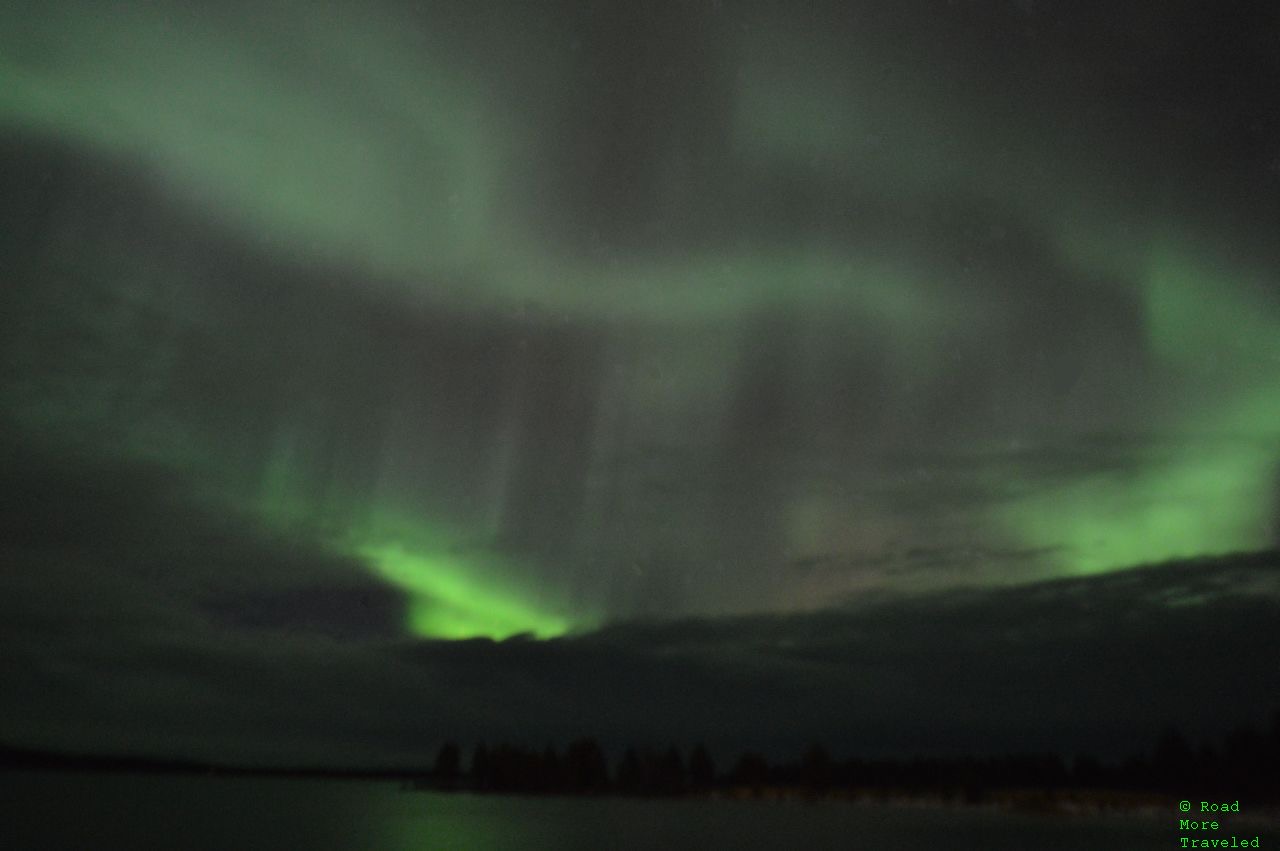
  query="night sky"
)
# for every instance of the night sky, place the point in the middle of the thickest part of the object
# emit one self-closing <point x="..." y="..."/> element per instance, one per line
<point x="901" y="375"/>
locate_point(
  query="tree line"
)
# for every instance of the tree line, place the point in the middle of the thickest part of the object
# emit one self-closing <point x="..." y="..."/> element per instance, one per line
<point x="1240" y="764"/>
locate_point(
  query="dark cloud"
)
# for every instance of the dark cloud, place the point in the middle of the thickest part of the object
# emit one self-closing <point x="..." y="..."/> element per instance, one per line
<point x="75" y="524"/>
<point x="343" y="612"/>
<point x="1065" y="665"/>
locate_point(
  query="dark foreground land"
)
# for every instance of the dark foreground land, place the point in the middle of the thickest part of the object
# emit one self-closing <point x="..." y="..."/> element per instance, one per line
<point x="1240" y="767"/>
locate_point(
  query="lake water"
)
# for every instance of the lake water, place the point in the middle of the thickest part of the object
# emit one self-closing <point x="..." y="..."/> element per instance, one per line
<point x="95" y="811"/>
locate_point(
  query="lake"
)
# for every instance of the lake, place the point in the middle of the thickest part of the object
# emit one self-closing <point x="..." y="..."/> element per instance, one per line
<point x="49" y="810"/>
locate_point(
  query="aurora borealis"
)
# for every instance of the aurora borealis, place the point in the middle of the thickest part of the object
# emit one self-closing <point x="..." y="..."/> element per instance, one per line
<point x="388" y="324"/>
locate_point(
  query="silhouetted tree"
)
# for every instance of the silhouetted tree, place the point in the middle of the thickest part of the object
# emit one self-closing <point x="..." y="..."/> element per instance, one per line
<point x="1172" y="760"/>
<point x="448" y="764"/>
<point x="815" y="768"/>
<point x="1086" y="770"/>
<point x="481" y="768"/>
<point x="552" y="769"/>
<point x="630" y="773"/>
<point x="702" y="771"/>
<point x="670" y="776"/>
<point x="585" y="766"/>
<point x="751" y="770"/>
<point x="1273" y="741"/>
<point x="1245" y="755"/>
<point x="515" y="769"/>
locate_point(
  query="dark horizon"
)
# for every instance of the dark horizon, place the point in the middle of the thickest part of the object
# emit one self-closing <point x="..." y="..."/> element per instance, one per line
<point x="1234" y="763"/>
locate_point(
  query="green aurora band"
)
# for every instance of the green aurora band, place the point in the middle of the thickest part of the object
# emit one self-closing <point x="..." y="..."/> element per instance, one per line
<point x="1212" y="491"/>
<point x="325" y="176"/>
<point x="447" y="601"/>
